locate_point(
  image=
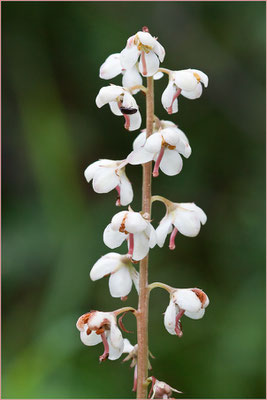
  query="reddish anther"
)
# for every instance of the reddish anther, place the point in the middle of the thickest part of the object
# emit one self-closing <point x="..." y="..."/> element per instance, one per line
<point x="145" y="29"/>
<point x="176" y="94"/>
<point x="106" y="348"/>
<point x="172" y="239"/>
<point x="157" y="163"/>
<point x="178" y="325"/>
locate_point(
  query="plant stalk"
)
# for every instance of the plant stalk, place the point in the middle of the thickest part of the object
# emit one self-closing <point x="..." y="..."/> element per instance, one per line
<point x="142" y="318"/>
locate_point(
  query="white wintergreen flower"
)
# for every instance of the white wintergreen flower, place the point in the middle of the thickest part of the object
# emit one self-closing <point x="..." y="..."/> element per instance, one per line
<point x="130" y="226"/>
<point x="190" y="302"/>
<point x="186" y="82"/>
<point x="122" y="273"/>
<point x="145" y="46"/>
<point x="164" y="146"/>
<point x="121" y="102"/>
<point x="108" y="175"/>
<point x="97" y="326"/>
<point x="160" y="389"/>
<point x="185" y="218"/>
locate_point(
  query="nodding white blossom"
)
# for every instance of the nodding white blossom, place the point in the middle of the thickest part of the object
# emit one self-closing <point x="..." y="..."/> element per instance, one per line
<point x="130" y="76"/>
<point x="108" y="175"/>
<point x="186" y="82"/>
<point x="164" y="146"/>
<point x="122" y="274"/>
<point x="121" y="102"/>
<point x="190" y="302"/>
<point x="145" y="46"/>
<point x="185" y="218"/>
<point x="97" y="326"/>
<point x="132" y="355"/>
<point x="130" y="226"/>
<point x="160" y="389"/>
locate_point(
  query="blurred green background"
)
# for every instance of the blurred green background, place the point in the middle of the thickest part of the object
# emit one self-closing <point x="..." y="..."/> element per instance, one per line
<point x="53" y="221"/>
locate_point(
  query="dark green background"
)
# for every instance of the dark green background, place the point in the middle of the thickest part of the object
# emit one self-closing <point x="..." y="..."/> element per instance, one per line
<point x="53" y="221"/>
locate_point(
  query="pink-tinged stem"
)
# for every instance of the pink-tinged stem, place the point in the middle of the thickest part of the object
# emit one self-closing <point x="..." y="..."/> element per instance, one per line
<point x="172" y="239"/>
<point x="157" y="163"/>
<point x="118" y="202"/>
<point x="127" y="121"/>
<point x="143" y="60"/>
<point x="106" y="348"/>
<point x="135" y="379"/>
<point x="176" y="94"/>
<point x="178" y="325"/>
<point x="131" y="245"/>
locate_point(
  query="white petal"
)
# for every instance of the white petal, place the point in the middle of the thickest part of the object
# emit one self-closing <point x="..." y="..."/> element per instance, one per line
<point x="193" y="94"/>
<point x="171" y="163"/>
<point x="135" y="277"/>
<point x="105" y="265"/>
<point x="115" y="108"/>
<point x="129" y="57"/>
<point x="105" y="180"/>
<point x="163" y="229"/>
<point x="146" y="38"/>
<point x="115" y="341"/>
<point x="196" y="315"/>
<point x="128" y="100"/>
<point x="140" y="140"/>
<point x="135" y="223"/>
<point x="141" y="246"/>
<point x="203" y="77"/>
<point x="117" y="219"/>
<point x="111" y="67"/>
<point x="187" y="300"/>
<point x="183" y="145"/>
<point x="135" y="121"/>
<point x="151" y="233"/>
<point x="107" y="94"/>
<point x="185" y="80"/>
<point x="90" y="170"/>
<point x="131" y="77"/>
<point x="90" y="340"/>
<point x="153" y="143"/>
<point x="193" y="207"/>
<point x="126" y="191"/>
<point x="170" y="136"/>
<point x="170" y="317"/>
<point x="139" y="156"/>
<point x="112" y="238"/>
<point x="158" y="76"/>
<point x="187" y="222"/>
<point x="127" y="346"/>
<point x="148" y="64"/>
<point x="120" y="282"/>
<point x="160" y="51"/>
<point x="167" y="96"/>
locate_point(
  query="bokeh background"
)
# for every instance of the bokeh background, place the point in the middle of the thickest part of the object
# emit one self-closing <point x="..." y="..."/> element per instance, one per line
<point x="53" y="221"/>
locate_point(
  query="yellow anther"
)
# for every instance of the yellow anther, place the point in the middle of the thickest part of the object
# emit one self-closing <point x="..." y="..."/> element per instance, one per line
<point x="197" y="76"/>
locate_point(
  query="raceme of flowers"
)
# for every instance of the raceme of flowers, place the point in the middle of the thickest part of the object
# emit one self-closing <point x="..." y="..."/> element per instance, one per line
<point x="166" y="147"/>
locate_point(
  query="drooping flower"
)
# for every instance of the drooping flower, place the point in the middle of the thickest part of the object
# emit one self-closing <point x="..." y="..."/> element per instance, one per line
<point x="160" y="389"/>
<point x="190" y="302"/>
<point x="122" y="273"/>
<point x="186" y="82"/>
<point x="121" y="102"/>
<point x="145" y="46"/>
<point x="164" y="146"/>
<point x="132" y="355"/>
<point x="108" y="175"/>
<point x="185" y="217"/>
<point x="97" y="326"/>
<point x="131" y="226"/>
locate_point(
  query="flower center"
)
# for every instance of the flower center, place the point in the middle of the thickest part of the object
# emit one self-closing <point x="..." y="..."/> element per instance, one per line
<point x="201" y="295"/>
<point x="122" y="227"/>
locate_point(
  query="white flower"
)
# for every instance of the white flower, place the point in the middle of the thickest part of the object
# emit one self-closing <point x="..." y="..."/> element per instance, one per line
<point x="160" y="389"/>
<point x="148" y="48"/>
<point x="130" y="76"/>
<point x="186" y="82"/>
<point x="97" y="326"/>
<point x="164" y="147"/>
<point x="122" y="273"/>
<point x="131" y="226"/>
<point x="121" y="102"/>
<point x="191" y="302"/>
<point x="186" y="218"/>
<point x="108" y="175"/>
<point x="132" y="355"/>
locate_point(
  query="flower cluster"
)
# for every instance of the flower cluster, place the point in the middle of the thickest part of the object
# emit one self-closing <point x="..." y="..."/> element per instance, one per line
<point x="166" y="145"/>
